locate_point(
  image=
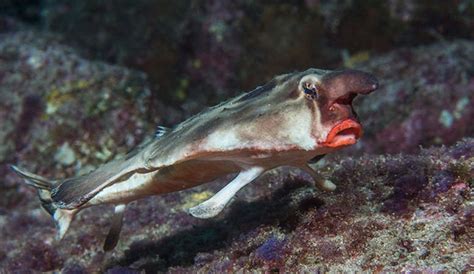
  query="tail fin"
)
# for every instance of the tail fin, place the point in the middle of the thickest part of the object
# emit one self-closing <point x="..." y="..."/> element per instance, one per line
<point x="62" y="217"/>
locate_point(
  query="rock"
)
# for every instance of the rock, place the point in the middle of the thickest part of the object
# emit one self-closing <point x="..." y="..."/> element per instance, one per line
<point x="55" y="103"/>
<point x="352" y="229"/>
<point x="390" y="212"/>
<point x="425" y="98"/>
<point x="65" y="155"/>
<point x="216" y="48"/>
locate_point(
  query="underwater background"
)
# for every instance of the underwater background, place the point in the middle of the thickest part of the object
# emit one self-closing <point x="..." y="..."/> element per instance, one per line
<point x="83" y="82"/>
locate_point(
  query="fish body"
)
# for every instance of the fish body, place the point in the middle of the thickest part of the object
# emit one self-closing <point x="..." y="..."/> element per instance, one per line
<point x="289" y="121"/>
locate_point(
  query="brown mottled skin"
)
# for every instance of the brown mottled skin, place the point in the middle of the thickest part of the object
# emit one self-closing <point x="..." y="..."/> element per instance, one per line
<point x="289" y="121"/>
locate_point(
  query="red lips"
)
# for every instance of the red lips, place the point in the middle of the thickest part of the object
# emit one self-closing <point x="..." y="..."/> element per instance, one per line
<point x="344" y="133"/>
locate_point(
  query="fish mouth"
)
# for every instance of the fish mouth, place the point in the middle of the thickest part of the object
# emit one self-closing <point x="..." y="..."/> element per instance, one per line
<point x="344" y="133"/>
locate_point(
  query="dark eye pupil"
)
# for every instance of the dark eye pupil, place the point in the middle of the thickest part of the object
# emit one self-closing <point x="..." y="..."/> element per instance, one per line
<point x="310" y="92"/>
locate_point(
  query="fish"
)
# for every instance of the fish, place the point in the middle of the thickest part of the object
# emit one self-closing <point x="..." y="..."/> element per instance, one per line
<point x="293" y="120"/>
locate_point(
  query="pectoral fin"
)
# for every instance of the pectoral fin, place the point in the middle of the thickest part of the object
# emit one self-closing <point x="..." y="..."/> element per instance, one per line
<point x="115" y="228"/>
<point x="216" y="204"/>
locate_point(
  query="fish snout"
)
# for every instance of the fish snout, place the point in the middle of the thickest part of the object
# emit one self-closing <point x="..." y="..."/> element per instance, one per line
<point x="344" y="85"/>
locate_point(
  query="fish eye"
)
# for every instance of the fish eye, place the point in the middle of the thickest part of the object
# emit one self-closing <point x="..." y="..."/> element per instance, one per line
<point x="310" y="91"/>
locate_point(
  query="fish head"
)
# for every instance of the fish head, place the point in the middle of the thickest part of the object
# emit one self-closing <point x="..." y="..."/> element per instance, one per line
<point x="329" y="96"/>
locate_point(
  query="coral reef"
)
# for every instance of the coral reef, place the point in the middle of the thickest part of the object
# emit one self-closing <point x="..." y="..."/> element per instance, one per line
<point x="426" y="99"/>
<point x="62" y="113"/>
<point x="216" y="47"/>
<point x="392" y="213"/>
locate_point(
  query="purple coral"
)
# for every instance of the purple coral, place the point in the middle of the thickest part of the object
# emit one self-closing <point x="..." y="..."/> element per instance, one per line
<point x="271" y="249"/>
<point x="443" y="180"/>
<point x="406" y="189"/>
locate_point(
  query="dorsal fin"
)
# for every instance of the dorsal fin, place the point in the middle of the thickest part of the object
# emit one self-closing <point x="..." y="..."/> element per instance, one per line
<point x="161" y="130"/>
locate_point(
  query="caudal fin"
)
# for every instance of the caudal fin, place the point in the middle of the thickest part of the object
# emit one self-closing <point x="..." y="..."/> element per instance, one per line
<point x="62" y="217"/>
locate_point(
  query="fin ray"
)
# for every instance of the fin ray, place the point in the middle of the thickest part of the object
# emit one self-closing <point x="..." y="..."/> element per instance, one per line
<point x="33" y="179"/>
<point x="161" y="130"/>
